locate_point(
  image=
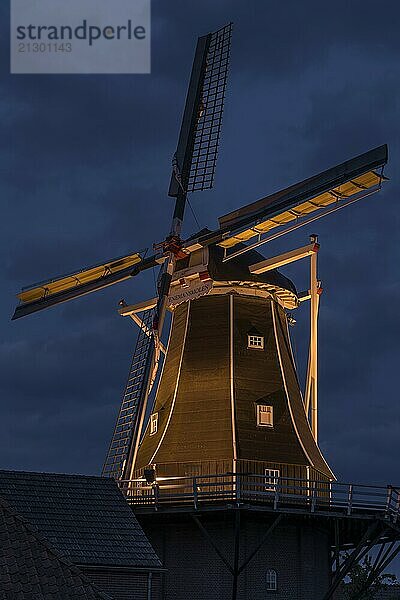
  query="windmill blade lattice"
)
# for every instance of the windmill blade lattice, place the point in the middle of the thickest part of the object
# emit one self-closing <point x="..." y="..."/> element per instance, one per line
<point x="54" y="291"/>
<point x="300" y="204"/>
<point x="137" y="380"/>
<point x="207" y="135"/>
<point x="196" y="154"/>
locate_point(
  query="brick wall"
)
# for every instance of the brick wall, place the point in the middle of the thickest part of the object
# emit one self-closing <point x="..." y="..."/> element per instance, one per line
<point x="125" y="585"/>
<point x="297" y="550"/>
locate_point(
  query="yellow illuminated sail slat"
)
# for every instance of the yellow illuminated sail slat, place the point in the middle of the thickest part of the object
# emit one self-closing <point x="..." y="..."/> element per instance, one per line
<point x="44" y="290"/>
<point x="346" y="190"/>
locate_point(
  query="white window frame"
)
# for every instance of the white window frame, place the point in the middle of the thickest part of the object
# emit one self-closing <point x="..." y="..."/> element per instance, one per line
<point x="255" y="342"/>
<point x="271" y="479"/>
<point x="269" y="410"/>
<point x="271" y="580"/>
<point x="153" y="424"/>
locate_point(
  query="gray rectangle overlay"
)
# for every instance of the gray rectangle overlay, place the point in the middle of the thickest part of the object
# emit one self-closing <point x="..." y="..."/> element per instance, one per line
<point x="80" y="36"/>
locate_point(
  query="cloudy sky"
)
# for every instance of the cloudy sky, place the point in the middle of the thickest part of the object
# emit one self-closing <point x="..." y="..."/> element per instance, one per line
<point x="85" y="165"/>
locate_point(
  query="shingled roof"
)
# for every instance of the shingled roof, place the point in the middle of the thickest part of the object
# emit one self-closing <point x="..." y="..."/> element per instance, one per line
<point x="31" y="568"/>
<point x="85" y="518"/>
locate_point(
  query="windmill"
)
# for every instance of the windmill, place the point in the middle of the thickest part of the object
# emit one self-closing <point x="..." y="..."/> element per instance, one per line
<point x="223" y="263"/>
<point x="227" y="424"/>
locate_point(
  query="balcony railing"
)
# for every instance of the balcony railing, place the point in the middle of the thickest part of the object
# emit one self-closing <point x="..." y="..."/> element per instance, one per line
<point x="280" y="494"/>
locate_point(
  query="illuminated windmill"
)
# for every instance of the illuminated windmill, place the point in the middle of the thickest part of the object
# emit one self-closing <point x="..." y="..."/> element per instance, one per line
<point x="228" y="399"/>
<point x="228" y="438"/>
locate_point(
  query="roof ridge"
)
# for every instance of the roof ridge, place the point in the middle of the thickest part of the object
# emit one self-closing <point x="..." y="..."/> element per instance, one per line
<point x="74" y="475"/>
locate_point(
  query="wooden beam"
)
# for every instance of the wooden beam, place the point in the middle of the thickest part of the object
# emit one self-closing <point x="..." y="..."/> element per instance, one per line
<point x="266" y="535"/>
<point x="127" y="311"/>
<point x="313" y="372"/>
<point x="311" y="388"/>
<point x="360" y="550"/>
<point x="147" y="331"/>
<point x="236" y="550"/>
<point x="208" y="537"/>
<point x="152" y="360"/>
<point x="337" y="545"/>
<point x="304" y="296"/>
<point x="284" y="259"/>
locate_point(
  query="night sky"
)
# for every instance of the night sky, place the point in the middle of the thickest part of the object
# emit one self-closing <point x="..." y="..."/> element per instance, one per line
<point x="85" y="165"/>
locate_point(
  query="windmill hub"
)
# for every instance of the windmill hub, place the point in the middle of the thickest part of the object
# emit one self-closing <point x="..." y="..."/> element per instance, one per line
<point x="174" y="244"/>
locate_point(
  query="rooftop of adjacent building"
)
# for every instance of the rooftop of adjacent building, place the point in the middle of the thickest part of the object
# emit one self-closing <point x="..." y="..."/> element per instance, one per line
<point x="31" y="568"/>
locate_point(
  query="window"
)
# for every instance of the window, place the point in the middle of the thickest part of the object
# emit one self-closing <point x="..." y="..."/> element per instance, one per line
<point x="153" y="423"/>
<point x="271" y="580"/>
<point x="271" y="479"/>
<point x="255" y="341"/>
<point x="265" y="415"/>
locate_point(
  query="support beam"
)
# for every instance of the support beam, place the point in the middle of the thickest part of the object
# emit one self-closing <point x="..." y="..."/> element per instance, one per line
<point x="152" y="361"/>
<point x="358" y="553"/>
<point x="378" y="556"/>
<point x="314" y="347"/>
<point x="311" y="388"/>
<point x="307" y="391"/>
<point x="132" y="311"/>
<point x="380" y="565"/>
<point x="284" y="259"/>
<point x="146" y="329"/>
<point x="386" y="563"/>
<point x="129" y="310"/>
<point x="236" y="550"/>
<point x="208" y="537"/>
<point x="266" y="535"/>
<point x="336" y="557"/>
<point x="311" y="250"/>
<point x="304" y="296"/>
<point x="379" y="562"/>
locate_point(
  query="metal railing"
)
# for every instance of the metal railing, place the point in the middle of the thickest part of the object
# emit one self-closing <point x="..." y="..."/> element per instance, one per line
<point x="281" y="494"/>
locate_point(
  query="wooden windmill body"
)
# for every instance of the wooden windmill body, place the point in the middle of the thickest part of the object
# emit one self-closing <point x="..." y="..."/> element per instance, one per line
<point x="219" y="454"/>
<point x="229" y="398"/>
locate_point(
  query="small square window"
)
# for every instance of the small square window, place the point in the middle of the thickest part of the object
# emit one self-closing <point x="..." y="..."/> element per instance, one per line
<point x="271" y="580"/>
<point x="153" y="423"/>
<point x="265" y="415"/>
<point x="255" y="341"/>
<point x="271" y="479"/>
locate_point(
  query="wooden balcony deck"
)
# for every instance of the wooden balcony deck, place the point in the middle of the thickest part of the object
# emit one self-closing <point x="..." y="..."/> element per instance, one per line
<point x="284" y="495"/>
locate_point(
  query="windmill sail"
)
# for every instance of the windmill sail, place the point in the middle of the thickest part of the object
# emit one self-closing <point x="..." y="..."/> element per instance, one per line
<point x="299" y="203"/>
<point x="196" y="155"/>
<point x="352" y="179"/>
<point x="126" y="424"/>
<point x="68" y="287"/>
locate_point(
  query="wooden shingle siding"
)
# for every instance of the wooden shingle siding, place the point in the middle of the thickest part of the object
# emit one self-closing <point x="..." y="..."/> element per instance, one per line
<point x="205" y="418"/>
<point x="296" y="402"/>
<point x="166" y="389"/>
<point x="258" y="380"/>
<point x="197" y="426"/>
